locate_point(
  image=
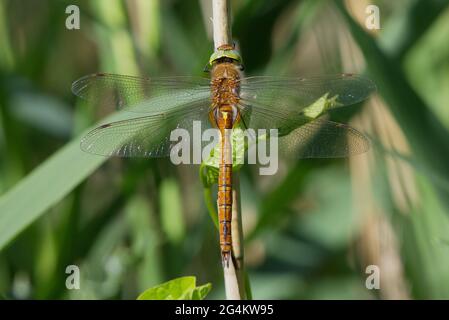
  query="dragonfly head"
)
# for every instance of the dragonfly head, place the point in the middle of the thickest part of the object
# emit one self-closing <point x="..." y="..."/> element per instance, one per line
<point x="225" y="53"/>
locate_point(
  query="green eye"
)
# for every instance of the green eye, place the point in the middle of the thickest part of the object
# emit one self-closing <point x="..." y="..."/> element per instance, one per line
<point x="224" y="53"/>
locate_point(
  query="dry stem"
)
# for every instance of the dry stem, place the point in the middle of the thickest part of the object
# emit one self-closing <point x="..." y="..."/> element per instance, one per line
<point x="234" y="277"/>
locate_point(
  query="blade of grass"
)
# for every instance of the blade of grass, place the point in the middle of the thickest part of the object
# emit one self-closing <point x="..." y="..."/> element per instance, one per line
<point x="47" y="185"/>
<point x="409" y="25"/>
<point x="423" y="129"/>
<point x="43" y="188"/>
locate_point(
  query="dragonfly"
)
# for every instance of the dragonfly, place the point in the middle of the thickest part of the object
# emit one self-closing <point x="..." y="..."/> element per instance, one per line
<point x="224" y="101"/>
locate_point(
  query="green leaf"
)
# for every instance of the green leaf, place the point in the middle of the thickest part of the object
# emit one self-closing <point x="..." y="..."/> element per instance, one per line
<point x="320" y="106"/>
<point x="238" y="152"/>
<point x="183" y="288"/>
<point x="46" y="185"/>
<point x="199" y="293"/>
<point x="43" y="188"/>
<point x="208" y="176"/>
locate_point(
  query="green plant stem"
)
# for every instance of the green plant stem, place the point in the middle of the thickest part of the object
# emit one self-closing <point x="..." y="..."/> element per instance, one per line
<point x="207" y="194"/>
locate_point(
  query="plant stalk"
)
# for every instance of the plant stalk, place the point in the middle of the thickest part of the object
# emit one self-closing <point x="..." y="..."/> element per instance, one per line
<point x="221" y="22"/>
<point x="234" y="274"/>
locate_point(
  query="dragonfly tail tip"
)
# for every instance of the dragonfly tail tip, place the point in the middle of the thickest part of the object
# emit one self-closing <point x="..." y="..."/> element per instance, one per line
<point x="225" y="257"/>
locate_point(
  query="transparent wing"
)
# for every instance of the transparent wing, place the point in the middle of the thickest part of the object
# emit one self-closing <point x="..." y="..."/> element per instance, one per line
<point x="133" y="93"/>
<point x="286" y="103"/>
<point x="147" y="136"/>
<point x="323" y="139"/>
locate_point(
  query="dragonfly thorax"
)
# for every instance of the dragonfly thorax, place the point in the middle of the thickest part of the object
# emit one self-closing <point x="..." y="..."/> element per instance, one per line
<point x="225" y="91"/>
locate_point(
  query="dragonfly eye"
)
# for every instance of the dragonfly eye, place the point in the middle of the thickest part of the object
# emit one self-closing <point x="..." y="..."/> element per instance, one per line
<point x="227" y="53"/>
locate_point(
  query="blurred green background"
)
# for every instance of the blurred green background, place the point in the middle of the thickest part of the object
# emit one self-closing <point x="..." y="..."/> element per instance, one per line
<point x="311" y="230"/>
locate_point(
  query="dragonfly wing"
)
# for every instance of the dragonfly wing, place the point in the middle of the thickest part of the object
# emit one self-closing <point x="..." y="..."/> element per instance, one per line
<point x="295" y="107"/>
<point x="283" y="103"/>
<point x="323" y="139"/>
<point x="134" y="93"/>
<point x="147" y="136"/>
<point x="294" y="94"/>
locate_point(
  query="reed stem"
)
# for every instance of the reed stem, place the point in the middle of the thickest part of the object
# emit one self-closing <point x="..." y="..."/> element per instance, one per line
<point x="234" y="274"/>
<point x="221" y="22"/>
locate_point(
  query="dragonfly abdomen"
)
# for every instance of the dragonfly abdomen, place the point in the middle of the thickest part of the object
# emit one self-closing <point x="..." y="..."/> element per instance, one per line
<point x="225" y="210"/>
<point x="225" y="122"/>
